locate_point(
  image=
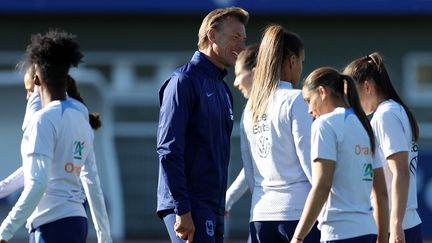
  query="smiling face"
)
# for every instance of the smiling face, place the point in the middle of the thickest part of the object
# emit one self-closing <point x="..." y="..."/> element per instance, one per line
<point x="229" y="41"/>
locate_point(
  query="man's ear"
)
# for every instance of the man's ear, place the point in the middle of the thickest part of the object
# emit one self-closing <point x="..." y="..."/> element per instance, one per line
<point x="211" y="35"/>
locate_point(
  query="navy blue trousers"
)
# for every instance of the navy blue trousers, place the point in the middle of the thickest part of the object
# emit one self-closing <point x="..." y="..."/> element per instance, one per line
<point x="359" y="239"/>
<point x="209" y="227"/>
<point x="66" y="230"/>
<point x="414" y="234"/>
<point x="279" y="231"/>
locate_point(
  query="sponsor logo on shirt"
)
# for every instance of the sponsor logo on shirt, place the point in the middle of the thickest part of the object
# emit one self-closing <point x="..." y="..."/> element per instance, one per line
<point x="362" y="150"/>
<point x="260" y="125"/>
<point x="367" y="172"/>
<point x="78" y="148"/>
<point x="71" y="168"/>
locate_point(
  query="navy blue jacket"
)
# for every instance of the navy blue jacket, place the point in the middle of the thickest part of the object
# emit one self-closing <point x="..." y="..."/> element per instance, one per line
<point x="193" y="140"/>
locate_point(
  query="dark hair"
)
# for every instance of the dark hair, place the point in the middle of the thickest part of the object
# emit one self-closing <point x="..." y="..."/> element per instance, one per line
<point x="55" y="52"/>
<point x="371" y="67"/>
<point x="276" y="46"/>
<point x="341" y="87"/>
<point x="72" y="90"/>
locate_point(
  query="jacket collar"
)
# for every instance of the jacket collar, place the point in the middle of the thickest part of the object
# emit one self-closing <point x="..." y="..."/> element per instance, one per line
<point x="209" y="68"/>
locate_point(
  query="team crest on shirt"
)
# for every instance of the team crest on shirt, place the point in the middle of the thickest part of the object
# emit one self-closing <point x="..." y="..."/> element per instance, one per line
<point x="209" y="228"/>
<point x="263" y="147"/>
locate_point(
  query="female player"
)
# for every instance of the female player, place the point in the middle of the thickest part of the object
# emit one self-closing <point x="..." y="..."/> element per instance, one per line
<point x="244" y="66"/>
<point x="16" y="180"/>
<point x="345" y="171"/>
<point x="275" y="139"/>
<point x="397" y="134"/>
<point x="57" y="153"/>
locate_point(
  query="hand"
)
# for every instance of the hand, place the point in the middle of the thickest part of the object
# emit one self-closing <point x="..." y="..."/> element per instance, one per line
<point x="184" y="227"/>
<point x="397" y="235"/>
<point x="226" y="214"/>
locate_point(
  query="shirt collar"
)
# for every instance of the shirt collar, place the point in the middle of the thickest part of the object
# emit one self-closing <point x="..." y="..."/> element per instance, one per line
<point x="208" y="66"/>
<point x="285" y="84"/>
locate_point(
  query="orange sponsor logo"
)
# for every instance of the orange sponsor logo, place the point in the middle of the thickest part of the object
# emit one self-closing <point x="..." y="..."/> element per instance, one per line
<point x="71" y="168"/>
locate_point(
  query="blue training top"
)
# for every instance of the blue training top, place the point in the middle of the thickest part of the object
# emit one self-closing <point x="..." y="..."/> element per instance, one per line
<point x="193" y="139"/>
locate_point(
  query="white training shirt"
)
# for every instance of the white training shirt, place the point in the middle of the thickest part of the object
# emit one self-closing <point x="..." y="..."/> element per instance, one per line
<point x="339" y="136"/>
<point x="16" y="180"/>
<point x="276" y="156"/>
<point x="393" y="132"/>
<point x="54" y="177"/>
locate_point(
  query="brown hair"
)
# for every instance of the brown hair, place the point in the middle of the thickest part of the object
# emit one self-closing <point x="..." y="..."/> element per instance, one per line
<point x="247" y="58"/>
<point x="276" y="45"/>
<point x="371" y="67"/>
<point x="72" y="91"/>
<point x="341" y="87"/>
<point x="215" y="19"/>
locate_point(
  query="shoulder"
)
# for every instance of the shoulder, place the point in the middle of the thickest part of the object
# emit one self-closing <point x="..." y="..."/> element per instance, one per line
<point x="45" y="117"/>
<point x="79" y="106"/>
<point x="330" y="120"/>
<point x="387" y="111"/>
<point x="321" y="122"/>
<point x="289" y="95"/>
<point x="182" y="76"/>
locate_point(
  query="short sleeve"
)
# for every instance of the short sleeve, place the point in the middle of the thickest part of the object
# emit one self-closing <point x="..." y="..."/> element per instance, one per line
<point x="323" y="141"/>
<point x="390" y="133"/>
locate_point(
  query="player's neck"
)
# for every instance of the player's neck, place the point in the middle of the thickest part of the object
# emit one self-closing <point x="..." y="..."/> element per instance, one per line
<point x="48" y="97"/>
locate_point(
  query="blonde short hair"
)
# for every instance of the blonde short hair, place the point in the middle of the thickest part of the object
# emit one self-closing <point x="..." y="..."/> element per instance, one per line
<point x="214" y="20"/>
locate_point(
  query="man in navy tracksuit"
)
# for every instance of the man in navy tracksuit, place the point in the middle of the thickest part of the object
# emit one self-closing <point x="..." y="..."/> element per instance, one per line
<point x="195" y="124"/>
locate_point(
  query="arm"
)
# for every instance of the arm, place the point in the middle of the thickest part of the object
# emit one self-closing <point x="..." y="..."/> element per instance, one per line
<point x="236" y="190"/>
<point x="398" y="164"/>
<point x="323" y="179"/>
<point x="33" y="105"/>
<point x="12" y="183"/>
<point x="177" y="102"/>
<point x="36" y="170"/>
<point x="395" y="146"/>
<point x="91" y="184"/>
<point x="301" y="131"/>
<point x="380" y="205"/>
<point x="246" y="156"/>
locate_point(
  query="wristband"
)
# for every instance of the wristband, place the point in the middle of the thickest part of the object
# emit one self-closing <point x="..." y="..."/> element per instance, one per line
<point x="297" y="238"/>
